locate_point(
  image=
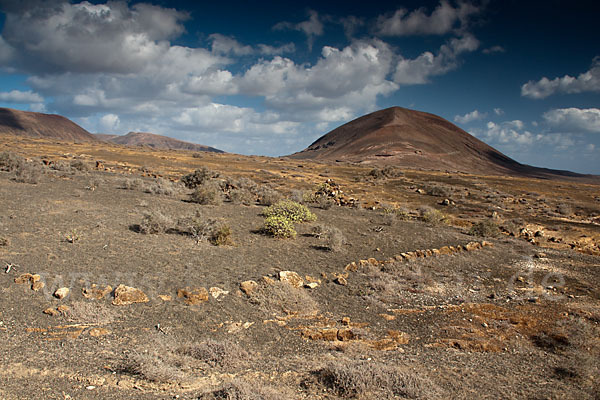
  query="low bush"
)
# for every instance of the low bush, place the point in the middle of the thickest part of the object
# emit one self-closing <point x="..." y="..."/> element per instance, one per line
<point x="80" y="166"/>
<point x="242" y="196"/>
<point x="241" y="389"/>
<point x="198" y="177"/>
<point x="267" y="196"/>
<point x="279" y="226"/>
<point x="355" y="378"/>
<point x="433" y="216"/>
<point x="155" y="222"/>
<point x="291" y="211"/>
<point x="222" y="354"/>
<point x="10" y="161"/>
<point x="132" y="184"/>
<point x="203" y="229"/>
<point x="27" y="172"/>
<point x="161" y="186"/>
<point x="486" y="228"/>
<point x="209" y="193"/>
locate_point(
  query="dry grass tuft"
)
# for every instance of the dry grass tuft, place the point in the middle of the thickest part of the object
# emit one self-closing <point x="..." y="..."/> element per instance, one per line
<point x="362" y="378"/>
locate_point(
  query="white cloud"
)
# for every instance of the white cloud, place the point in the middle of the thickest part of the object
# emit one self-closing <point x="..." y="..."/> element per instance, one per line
<point x="420" y="69"/>
<point x="498" y="111"/>
<point x="588" y="81"/>
<point x="493" y="50"/>
<point x="444" y="19"/>
<point x="112" y="37"/>
<point x="574" y="119"/>
<point x="109" y="123"/>
<point x="312" y="27"/>
<point x="20" y="97"/>
<point x="222" y="44"/>
<point x="351" y="24"/>
<point x="469" y="117"/>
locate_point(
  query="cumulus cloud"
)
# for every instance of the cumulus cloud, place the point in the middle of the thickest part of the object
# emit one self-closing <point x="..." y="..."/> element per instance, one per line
<point x="493" y="50"/>
<point x="312" y="27"/>
<point x="574" y="119"/>
<point x="109" y="123"/>
<point x="588" y="81"/>
<point x="20" y="97"/>
<point x="226" y="45"/>
<point x="83" y="37"/>
<point x="469" y="117"/>
<point x="444" y="19"/>
<point x="420" y="69"/>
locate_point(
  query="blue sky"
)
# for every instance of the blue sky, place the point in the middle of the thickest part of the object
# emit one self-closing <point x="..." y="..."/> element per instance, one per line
<point x="271" y="77"/>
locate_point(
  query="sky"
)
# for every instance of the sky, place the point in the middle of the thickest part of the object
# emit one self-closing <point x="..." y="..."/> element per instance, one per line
<point x="269" y="78"/>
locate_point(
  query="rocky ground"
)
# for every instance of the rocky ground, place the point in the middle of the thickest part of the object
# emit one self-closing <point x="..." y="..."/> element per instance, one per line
<point x="116" y="281"/>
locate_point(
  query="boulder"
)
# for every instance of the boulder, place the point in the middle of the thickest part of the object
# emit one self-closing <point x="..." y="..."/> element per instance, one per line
<point x="291" y="278"/>
<point x="125" y="295"/>
<point x="61" y="293"/>
<point x="248" y="287"/>
<point x="193" y="296"/>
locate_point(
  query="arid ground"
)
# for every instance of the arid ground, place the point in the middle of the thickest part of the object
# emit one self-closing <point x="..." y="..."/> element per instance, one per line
<point x="408" y="284"/>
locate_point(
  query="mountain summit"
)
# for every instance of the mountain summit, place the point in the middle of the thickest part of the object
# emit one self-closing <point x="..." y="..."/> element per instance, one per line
<point x="33" y="124"/>
<point x="155" y="141"/>
<point x="415" y="139"/>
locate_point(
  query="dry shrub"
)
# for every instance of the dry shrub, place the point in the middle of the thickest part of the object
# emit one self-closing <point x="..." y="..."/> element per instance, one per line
<point x="241" y="389"/>
<point x="80" y="166"/>
<point x="433" y="216"/>
<point x="564" y="209"/>
<point x="162" y="186"/>
<point x="198" y="177"/>
<point x="267" y="196"/>
<point x="203" y="229"/>
<point x="10" y="161"/>
<point x="132" y="184"/>
<point x="88" y="312"/>
<point x="4" y="241"/>
<point x="283" y="297"/>
<point x="242" y="196"/>
<point x="357" y="378"/>
<point x="331" y="237"/>
<point x="485" y="228"/>
<point x="223" y="354"/>
<point x="437" y="190"/>
<point x="27" y="172"/>
<point x="208" y="193"/>
<point x="155" y="222"/>
<point x="386" y="172"/>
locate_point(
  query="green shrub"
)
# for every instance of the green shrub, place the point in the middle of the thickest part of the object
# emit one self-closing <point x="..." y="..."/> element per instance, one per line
<point x="198" y="177"/>
<point x="291" y="211"/>
<point x="485" y="228"/>
<point x="279" y="226"/>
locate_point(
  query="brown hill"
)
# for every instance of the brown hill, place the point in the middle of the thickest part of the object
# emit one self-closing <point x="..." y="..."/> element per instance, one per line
<point x="33" y="124"/>
<point x="155" y="141"/>
<point x="415" y="139"/>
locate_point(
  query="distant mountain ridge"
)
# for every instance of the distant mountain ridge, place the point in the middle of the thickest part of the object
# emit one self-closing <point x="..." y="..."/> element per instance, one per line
<point x="155" y="141"/>
<point x="415" y="139"/>
<point x="33" y="124"/>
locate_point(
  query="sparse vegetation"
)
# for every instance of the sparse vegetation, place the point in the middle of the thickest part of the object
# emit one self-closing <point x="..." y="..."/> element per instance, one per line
<point x="72" y="236"/>
<point x="203" y="229"/>
<point x="10" y="161"/>
<point x="241" y="389"/>
<point x="281" y="297"/>
<point x="268" y="196"/>
<point x="198" y="177"/>
<point x="433" y="216"/>
<point x="485" y="228"/>
<point x="386" y="172"/>
<point x="290" y="210"/>
<point x="4" y="241"/>
<point x="80" y="166"/>
<point x="208" y="193"/>
<point x="242" y="196"/>
<point x="356" y="378"/>
<point x="132" y="184"/>
<point x="161" y="186"/>
<point x="279" y="227"/>
<point x="221" y="354"/>
<point x="155" y="222"/>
